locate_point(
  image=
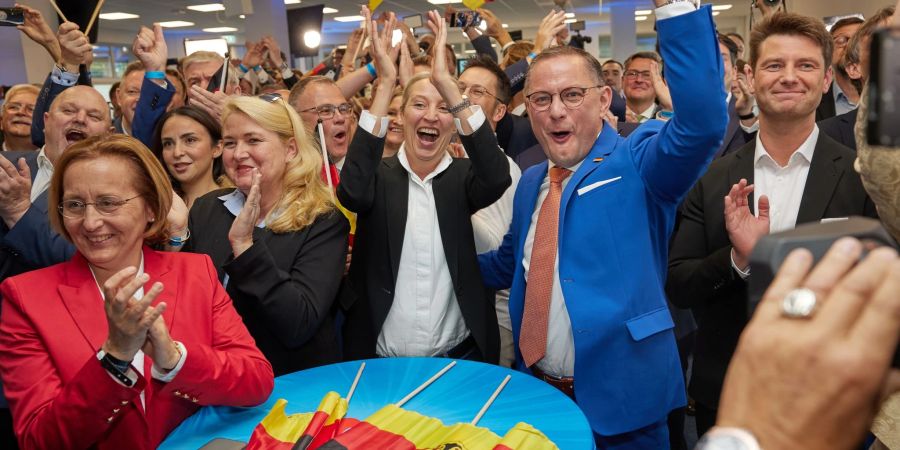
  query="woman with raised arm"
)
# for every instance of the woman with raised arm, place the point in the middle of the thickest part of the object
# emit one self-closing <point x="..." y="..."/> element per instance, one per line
<point x="414" y="267"/>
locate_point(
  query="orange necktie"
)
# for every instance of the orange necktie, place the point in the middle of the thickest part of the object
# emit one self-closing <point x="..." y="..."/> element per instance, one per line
<point x="533" y="334"/>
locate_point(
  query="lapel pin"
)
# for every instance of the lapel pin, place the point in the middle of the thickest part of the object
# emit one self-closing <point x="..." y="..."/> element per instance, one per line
<point x="596" y="160"/>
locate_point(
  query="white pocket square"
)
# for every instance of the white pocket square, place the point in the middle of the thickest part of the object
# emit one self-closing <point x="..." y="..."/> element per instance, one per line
<point x="834" y="219"/>
<point x="593" y="186"/>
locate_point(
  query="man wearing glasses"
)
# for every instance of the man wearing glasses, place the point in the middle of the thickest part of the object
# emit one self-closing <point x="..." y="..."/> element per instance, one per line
<point x="319" y="100"/>
<point x="585" y="256"/>
<point x="640" y="93"/>
<point x="15" y="118"/>
<point x="843" y="96"/>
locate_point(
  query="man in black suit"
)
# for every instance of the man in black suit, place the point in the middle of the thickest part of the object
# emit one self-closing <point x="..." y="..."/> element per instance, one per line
<point x="842" y="95"/>
<point x="790" y="174"/>
<point x="856" y="62"/>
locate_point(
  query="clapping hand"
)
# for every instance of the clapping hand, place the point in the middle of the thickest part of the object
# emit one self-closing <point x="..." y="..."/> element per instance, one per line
<point x="743" y="95"/>
<point x="241" y="234"/>
<point x="15" y="191"/>
<point x="128" y="318"/>
<point x="744" y="229"/>
<point x="550" y="26"/>
<point x="659" y="85"/>
<point x="382" y="51"/>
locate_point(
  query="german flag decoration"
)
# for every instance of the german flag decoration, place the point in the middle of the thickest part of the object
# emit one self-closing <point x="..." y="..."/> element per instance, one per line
<point x="374" y="4"/>
<point x="524" y="436"/>
<point x="279" y="431"/>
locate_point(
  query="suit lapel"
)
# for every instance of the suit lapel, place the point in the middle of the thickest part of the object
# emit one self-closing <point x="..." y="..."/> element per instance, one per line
<point x="743" y="168"/>
<point x="397" y="197"/>
<point x="734" y="122"/>
<point x="604" y="145"/>
<point x="81" y="298"/>
<point x="446" y="196"/>
<point x="824" y="174"/>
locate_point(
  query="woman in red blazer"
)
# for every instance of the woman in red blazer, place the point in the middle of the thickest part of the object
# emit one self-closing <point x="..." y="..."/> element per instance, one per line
<point x="114" y="348"/>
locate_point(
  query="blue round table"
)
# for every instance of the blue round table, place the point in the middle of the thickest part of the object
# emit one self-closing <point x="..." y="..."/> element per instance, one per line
<point x="455" y="397"/>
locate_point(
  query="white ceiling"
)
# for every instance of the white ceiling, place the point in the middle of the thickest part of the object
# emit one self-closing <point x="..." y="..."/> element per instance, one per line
<point x="516" y="13"/>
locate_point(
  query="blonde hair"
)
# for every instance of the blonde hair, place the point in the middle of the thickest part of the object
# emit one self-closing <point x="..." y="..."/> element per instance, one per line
<point x="20" y="88"/>
<point x="409" y="84"/>
<point x="150" y="181"/>
<point x="304" y="195"/>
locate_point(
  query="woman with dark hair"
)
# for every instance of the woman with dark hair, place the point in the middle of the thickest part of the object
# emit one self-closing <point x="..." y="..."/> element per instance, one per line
<point x="187" y="140"/>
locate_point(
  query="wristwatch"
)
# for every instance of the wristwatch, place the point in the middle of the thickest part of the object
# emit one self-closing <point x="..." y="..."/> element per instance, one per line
<point x="727" y="438"/>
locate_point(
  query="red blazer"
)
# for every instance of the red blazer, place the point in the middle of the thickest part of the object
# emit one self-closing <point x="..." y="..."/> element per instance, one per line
<point x="53" y="323"/>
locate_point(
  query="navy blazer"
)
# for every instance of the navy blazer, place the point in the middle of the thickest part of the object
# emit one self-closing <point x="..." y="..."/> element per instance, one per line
<point x="31" y="244"/>
<point x="841" y="128"/>
<point x="735" y="136"/>
<point x="616" y="215"/>
<point x="151" y="106"/>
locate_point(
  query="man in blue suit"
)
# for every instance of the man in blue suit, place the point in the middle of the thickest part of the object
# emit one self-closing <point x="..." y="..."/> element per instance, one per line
<point x="586" y="253"/>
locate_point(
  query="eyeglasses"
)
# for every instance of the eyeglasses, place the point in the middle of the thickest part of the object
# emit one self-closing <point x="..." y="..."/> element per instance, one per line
<point x="327" y="111"/>
<point x="476" y="91"/>
<point x="16" y="107"/>
<point x="571" y="97"/>
<point x="75" y="209"/>
<point x="633" y="74"/>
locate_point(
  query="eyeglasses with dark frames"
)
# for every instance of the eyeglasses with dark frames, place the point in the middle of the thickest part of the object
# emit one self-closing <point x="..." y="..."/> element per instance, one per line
<point x="327" y="110"/>
<point x="571" y="97"/>
<point x="75" y="209"/>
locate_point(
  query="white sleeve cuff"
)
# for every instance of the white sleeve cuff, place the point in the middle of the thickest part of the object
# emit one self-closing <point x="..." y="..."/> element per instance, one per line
<point x="367" y="122"/>
<point x="166" y="377"/>
<point x="674" y="9"/>
<point x="64" y="78"/>
<point x="744" y="274"/>
<point x="752" y="128"/>
<point x="476" y="120"/>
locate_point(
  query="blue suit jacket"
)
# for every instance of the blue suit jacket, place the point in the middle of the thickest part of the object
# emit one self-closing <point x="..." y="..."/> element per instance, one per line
<point x="616" y="216"/>
<point x="31" y="243"/>
<point x="150" y="108"/>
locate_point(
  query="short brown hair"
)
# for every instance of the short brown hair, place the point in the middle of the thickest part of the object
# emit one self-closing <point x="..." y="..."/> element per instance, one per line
<point x="132" y="67"/>
<point x="151" y="180"/>
<point x="644" y="55"/>
<point x="592" y="63"/>
<point x="298" y="89"/>
<point x="516" y="52"/>
<point x="791" y="24"/>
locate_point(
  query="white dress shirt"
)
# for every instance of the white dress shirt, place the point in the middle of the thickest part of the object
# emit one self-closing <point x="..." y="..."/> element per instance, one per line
<point x="489" y="225"/>
<point x="559" y="358"/>
<point x="424" y="319"/>
<point x="782" y="185"/>
<point x="42" y="177"/>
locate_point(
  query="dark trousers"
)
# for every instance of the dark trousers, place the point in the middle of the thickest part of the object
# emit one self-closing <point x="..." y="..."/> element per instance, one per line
<point x="677" y="417"/>
<point x="705" y="417"/>
<point x="652" y="437"/>
<point x="7" y="436"/>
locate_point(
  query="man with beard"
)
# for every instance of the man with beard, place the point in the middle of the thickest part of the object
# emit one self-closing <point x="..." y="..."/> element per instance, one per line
<point x="15" y="121"/>
<point x="319" y="99"/>
<point x="790" y="174"/>
<point x="26" y="240"/>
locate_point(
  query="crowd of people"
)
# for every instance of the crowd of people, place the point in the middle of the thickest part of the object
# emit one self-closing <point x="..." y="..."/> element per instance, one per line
<point x="590" y="224"/>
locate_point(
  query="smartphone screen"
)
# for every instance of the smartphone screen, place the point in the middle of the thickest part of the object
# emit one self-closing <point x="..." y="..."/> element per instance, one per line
<point x="463" y="19"/>
<point x="10" y="17"/>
